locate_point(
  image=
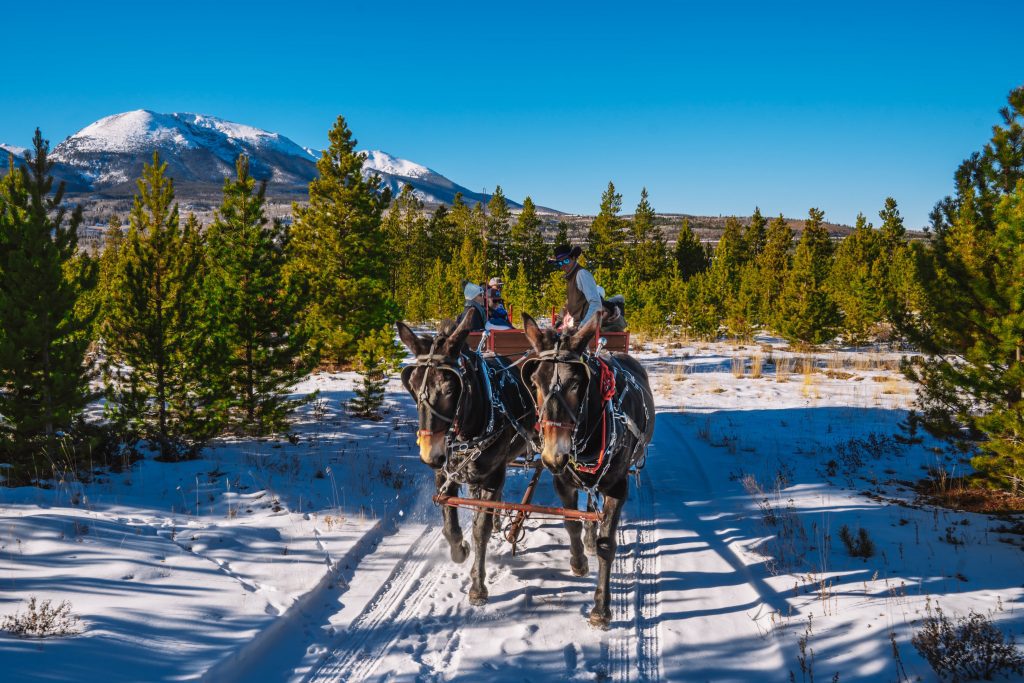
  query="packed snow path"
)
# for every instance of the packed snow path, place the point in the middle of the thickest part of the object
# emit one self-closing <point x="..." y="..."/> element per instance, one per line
<point x="684" y="600"/>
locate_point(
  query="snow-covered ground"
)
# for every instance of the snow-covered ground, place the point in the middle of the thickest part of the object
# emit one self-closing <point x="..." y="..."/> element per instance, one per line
<point x="323" y="561"/>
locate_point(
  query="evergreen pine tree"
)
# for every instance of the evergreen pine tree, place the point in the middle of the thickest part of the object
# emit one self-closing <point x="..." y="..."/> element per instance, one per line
<point x="377" y="357"/>
<point x="338" y="251"/>
<point x="755" y="236"/>
<point x="852" y="283"/>
<point x="773" y="266"/>
<point x="257" y="314"/>
<point x="806" y="312"/>
<point x="562" y="232"/>
<point x="690" y="255"/>
<point x="497" y="233"/>
<point x="646" y="251"/>
<point x="113" y="240"/>
<point x="743" y="305"/>
<point x="43" y="330"/>
<point x="527" y="246"/>
<point x="729" y="255"/>
<point x="971" y="314"/>
<point x="153" y="320"/>
<point x="894" y="270"/>
<point x="606" y="239"/>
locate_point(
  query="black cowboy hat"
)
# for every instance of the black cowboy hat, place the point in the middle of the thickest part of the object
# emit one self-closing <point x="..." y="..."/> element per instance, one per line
<point x="564" y="251"/>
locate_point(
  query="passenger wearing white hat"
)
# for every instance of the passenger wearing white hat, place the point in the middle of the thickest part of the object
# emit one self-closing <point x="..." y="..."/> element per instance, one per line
<point x="474" y="294"/>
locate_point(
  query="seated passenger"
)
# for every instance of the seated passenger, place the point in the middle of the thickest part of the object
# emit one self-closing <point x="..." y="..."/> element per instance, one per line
<point x="474" y="306"/>
<point x="499" y="318"/>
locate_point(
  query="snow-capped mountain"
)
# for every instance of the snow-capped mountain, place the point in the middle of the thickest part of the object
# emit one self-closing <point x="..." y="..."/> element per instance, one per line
<point x="200" y="152"/>
<point x="197" y="149"/>
<point x="12" y="149"/>
<point x="73" y="180"/>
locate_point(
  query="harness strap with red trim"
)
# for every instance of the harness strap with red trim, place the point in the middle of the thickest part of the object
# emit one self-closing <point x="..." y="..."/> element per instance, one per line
<point x="607" y="388"/>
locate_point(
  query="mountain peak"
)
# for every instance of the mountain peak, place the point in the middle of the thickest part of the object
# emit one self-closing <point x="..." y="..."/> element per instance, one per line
<point x="377" y="160"/>
<point x="13" y="149"/>
<point x="200" y="151"/>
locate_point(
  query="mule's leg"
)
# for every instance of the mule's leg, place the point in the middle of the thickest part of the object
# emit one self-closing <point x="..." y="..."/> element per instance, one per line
<point x="450" y="518"/>
<point x="577" y="559"/>
<point x="590" y="530"/>
<point x="601" y="615"/>
<point x="483" y="524"/>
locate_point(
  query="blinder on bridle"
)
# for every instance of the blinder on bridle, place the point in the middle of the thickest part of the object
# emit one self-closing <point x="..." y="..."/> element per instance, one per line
<point x="441" y="363"/>
<point x="556" y="356"/>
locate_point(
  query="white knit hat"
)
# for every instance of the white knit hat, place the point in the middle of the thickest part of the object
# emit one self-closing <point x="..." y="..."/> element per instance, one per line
<point x="472" y="290"/>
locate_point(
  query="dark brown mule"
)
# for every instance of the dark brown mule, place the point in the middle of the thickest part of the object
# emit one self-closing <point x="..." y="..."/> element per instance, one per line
<point x="596" y="416"/>
<point x="475" y="417"/>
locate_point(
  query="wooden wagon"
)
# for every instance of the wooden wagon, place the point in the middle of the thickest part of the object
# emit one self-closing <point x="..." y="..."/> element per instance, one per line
<point x="513" y="343"/>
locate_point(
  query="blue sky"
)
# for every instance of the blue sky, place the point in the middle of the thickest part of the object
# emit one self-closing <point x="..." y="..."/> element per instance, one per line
<point x="715" y="107"/>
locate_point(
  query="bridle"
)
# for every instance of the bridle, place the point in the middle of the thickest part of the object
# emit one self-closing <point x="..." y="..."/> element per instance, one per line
<point x="614" y="421"/>
<point x="434" y="361"/>
<point x="557" y="356"/>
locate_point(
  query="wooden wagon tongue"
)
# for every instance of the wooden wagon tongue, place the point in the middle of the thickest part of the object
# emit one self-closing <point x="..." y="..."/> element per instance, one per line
<point x="518" y="513"/>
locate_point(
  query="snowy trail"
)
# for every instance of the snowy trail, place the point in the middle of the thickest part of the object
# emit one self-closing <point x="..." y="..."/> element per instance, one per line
<point x="712" y="600"/>
<point x="685" y="602"/>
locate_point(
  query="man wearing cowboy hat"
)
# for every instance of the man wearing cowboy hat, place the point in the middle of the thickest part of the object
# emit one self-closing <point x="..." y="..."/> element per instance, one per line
<point x="584" y="297"/>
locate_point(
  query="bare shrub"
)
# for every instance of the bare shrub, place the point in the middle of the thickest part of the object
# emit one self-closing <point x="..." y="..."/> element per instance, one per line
<point x="42" y="620"/>
<point x="969" y="649"/>
<point x="787" y="548"/>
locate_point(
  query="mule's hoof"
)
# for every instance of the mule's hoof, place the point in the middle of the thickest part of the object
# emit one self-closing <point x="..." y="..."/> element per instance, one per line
<point x="460" y="552"/>
<point x="599" y="619"/>
<point x="581" y="568"/>
<point x="478" y="598"/>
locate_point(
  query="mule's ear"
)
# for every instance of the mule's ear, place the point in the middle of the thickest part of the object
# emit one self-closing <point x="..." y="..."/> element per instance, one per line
<point x="583" y="335"/>
<point x="457" y="337"/>
<point x="534" y="334"/>
<point x="409" y="338"/>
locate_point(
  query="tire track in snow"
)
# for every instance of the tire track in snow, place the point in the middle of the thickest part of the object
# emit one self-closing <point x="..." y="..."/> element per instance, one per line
<point x="634" y="650"/>
<point x="388" y="618"/>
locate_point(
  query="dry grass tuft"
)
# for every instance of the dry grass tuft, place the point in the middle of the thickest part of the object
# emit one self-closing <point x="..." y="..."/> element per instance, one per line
<point x="783" y="368"/>
<point x="756" y="366"/>
<point x="968" y="495"/>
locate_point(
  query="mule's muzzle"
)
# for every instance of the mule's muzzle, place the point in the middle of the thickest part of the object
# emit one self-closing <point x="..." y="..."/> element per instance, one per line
<point x="557" y="444"/>
<point x="432" y="451"/>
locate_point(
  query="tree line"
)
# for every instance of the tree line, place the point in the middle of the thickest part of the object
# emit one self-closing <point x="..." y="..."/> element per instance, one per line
<point x="200" y="331"/>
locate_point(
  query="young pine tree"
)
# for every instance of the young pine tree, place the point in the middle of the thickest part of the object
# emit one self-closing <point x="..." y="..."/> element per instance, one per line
<point x="257" y="314"/>
<point x="377" y="357"/>
<point x="43" y="329"/>
<point x="646" y="250"/>
<point x="338" y="251"/>
<point x="852" y="283"/>
<point x="153" y="322"/>
<point x="971" y="317"/>
<point x="690" y="255"/>
<point x="773" y="266"/>
<point x="527" y="246"/>
<point x="497" y="232"/>
<point x="755" y="236"/>
<point x="606" y="239"/>
<point x="806" y="312"/>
